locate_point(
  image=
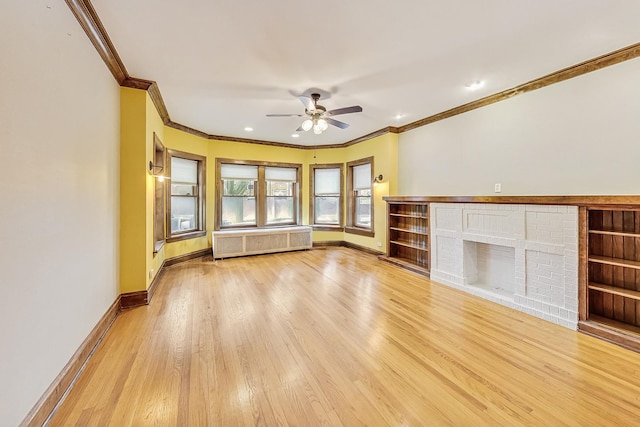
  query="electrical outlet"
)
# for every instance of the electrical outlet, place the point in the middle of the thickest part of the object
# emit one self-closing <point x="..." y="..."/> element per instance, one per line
<point x="498" y="188"/>
<point x="379" y="244"/>
<point x="151" y="274"/>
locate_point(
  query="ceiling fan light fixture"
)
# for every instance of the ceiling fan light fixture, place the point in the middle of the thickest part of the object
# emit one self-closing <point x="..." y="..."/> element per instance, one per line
<point x="307" y="124"/>
<point x="317" y="130"/>
<point x="322" y="125"/>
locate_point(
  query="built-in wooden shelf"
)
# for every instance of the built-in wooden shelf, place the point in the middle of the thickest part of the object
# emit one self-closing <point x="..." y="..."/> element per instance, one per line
<point x="611" y="330"/>
<point x="408" y="215"/>
<point x="614" y="233"/>
<point x="406" y="230"/>
<point x="611" y="241"/>
<point x="409" y="245"/>
<point x="408" y="235"/>
<point x="614" y="290"/>
<point x="619" y="262"/>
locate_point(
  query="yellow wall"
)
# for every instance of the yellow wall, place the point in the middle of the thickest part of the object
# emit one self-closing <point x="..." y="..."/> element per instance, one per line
<point x="140" y="119"/>
<point x="384" y="149"/>
<point x="155" y="125"/>
<point x="133" y="198"/>
<point x="211" y="149"/>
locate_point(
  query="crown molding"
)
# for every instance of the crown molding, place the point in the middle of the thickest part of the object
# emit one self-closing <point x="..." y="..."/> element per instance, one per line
<point x="90" y="22"/>
<point x="612" y="58"/>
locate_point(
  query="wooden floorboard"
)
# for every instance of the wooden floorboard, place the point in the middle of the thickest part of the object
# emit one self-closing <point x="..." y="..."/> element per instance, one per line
<point x="336" y="337"/>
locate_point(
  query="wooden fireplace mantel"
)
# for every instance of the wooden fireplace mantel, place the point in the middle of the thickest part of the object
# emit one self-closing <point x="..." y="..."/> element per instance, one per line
<point x="622" y="200"/>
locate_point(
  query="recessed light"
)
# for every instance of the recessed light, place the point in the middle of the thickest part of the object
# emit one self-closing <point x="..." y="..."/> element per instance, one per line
<point x="294" y="135"/>
<point x="474" y="85"/>
<point x="248" y="129"/>
<point x="398" y="116"/>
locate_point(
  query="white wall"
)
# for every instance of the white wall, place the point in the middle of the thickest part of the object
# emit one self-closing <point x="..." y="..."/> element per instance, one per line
<point x="59" y="141"/>
<point x="580" y="136"/>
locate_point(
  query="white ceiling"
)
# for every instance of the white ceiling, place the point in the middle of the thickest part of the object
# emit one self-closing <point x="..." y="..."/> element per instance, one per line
<point x="223" y="65"/>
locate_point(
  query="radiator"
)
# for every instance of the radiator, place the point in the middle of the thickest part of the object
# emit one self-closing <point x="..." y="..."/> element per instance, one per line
<point x="233" y="243"/>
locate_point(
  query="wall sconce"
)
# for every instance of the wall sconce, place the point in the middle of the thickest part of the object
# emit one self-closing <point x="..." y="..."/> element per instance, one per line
<point x="156" y="171"/>
<point x="378" y="179"/>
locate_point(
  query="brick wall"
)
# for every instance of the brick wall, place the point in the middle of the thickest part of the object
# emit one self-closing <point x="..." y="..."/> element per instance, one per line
<point x="521" y="256"/>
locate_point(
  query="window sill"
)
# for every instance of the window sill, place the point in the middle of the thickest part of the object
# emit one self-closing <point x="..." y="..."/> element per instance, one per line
<point x="255" y="227"/>
<point x="185" y="236"/>
<point x="159" y="245"/>
<point x="327" y="227"/>
<point x="360" y="231"/>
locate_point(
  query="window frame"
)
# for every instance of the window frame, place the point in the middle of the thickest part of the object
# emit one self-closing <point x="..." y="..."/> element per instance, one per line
<point x="351" y="226"/>
<point x="201" y="229"/>
<point x="260" y="192"/>
<point x="159" y="195"/>
<point x="312" y="198"/>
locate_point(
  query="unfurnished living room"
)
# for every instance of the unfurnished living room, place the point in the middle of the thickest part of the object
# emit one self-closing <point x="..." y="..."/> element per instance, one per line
<point x="340" y="213"/>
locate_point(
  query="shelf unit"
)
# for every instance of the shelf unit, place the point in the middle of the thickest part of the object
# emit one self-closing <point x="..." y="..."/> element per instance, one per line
<point x="408" y="235"/>
<point x="613" y="275"/>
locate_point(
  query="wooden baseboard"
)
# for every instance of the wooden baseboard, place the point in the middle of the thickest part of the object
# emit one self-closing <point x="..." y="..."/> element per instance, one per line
<point x="406" y="265"/>
<point x="327" y="244"/>
<point x="47" y="404"/>
<point x="607" y="330"/>
<point x="134" y="299"/>
<point x="186" y="257"/>
<point x="361" y="248"/>
<point x="138" y="298"/>
<point x="333" y="243"/>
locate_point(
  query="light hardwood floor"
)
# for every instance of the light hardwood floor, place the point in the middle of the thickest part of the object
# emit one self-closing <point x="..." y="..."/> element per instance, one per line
<point x="335" y="337"/>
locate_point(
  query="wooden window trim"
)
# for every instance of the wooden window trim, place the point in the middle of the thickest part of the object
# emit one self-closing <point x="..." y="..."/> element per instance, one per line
<point x="351" y="228"/>
<point x="260" y="193"/>
<point x="159" y="196"/>
<point x="202" y="192"/>
<point x="312" y="198"/>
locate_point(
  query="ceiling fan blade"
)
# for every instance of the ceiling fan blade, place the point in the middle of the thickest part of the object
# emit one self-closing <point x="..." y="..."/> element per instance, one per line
<point x="341" y="125"/>
<point x="307" y="102"/>
<point x="284" y="115"/>
<point x="345" y="110"/>
<point x="300" y="129"/>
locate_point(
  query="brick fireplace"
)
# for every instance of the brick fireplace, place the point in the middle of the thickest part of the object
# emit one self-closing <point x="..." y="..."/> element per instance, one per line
<point x="522" y="256"/>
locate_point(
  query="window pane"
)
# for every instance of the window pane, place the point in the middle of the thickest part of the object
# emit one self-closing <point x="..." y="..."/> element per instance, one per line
<point x="183" y="189"/>
<point x="238" y="211"/>
<point x="238" y="187"/>
<point x="279" y="188"/>
<point x="183" y="214"/>
<point x="279" y="210"/>
<point x="327" y="210"/>
<point x="327" y="181"/>
<point x="239" y="171"/>
<point x="184" y="170"/>
<point x="363" y="212"/>
<point x="362" y="176"/>
<point x="280" y="174"/>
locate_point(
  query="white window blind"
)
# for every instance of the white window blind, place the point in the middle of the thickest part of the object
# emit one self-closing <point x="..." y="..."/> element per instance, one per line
<point x="280" y="174"/>
<point x="327" y="181"/>
<point x="229" y="171"/>
<point x="362" y="176"/>
<point x="184" y="170"/>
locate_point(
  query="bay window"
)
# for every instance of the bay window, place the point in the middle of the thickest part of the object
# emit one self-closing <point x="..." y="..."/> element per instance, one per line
<point x="360" y="197"/>
<point x="239" y="195"/>
<point x="186" y="201"/>
<point x="257" y="194"/>
<point x="326" y="200"/>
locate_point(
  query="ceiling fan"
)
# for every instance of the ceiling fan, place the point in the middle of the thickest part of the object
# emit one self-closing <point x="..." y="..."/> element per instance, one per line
<point x="318" y="118"/>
